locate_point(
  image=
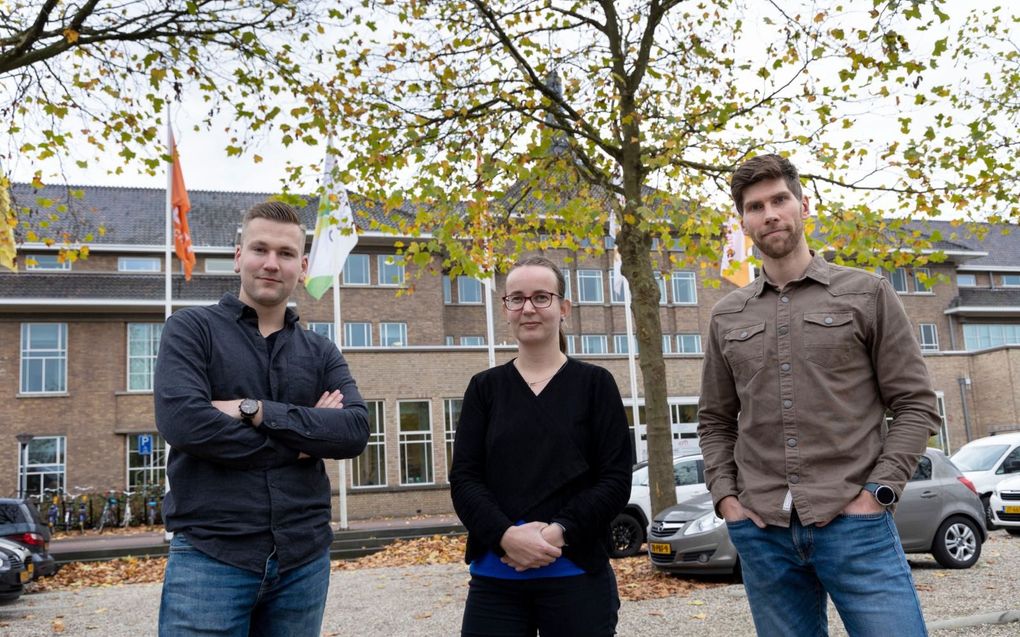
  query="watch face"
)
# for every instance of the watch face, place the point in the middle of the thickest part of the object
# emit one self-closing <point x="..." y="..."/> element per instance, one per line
<point x="885" y="495"/>
<point x="249" y="408"/>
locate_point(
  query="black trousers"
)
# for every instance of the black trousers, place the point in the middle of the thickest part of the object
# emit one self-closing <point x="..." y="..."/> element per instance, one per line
<point x="579" y="606"/>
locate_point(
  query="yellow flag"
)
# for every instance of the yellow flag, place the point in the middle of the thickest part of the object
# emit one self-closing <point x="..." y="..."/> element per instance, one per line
<point x="7" y="222"/>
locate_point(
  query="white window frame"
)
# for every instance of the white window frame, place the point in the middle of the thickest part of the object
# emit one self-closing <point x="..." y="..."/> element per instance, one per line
<point x="323" y="329"/>
<point x="667" y="344"/>
<point x="901" y="275"/>
<point x="415" y="438"/>
<point x="591" y="276"/>
<point x="152" y="470"/>
<point x="139" y="264"/>
<point x="681" y="347"/>
<point x="218" y="265"/>
<point x="146" y="359"/>
<point x="364" y="266"/>
<point x="396" y="264"/>
<point x="990" y="335"/>
<point x="928" y="344"/>
<point x="49" y="266"/>
<point x="684" y="277"/>
<point x="451" y="415"/>
<point x="447" y="290"/>
<point x="1010" y="280"/>
<point x="472" y="341"/>
<point x="620" y="343"/>
<point x="919" y="286"/>
<point x="376" y="447"/>
<point x="571" y="344"/>
<point x="384" y="338"/>
<point x="30" y="469"/>
<point x="968" y="276"/>
<point x="614" y="298"/>
<point x="48" y="357"/>
<point x="366" y="331"/>
<point x="661" y="282"/>
<point x="588" y="339"/>
<point x="568" y="292"/>
<point x="469" y="285"/>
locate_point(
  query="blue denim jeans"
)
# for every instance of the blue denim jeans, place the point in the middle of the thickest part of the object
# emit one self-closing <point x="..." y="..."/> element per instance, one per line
<point x="203" y="596"/>
<point x="856" y="559"/>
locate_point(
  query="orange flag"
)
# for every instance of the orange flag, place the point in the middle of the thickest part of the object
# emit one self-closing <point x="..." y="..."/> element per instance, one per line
<point x="181" y="205"/>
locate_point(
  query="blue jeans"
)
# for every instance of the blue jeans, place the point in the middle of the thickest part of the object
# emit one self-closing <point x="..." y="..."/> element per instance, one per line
<point x="574" y="606"/>
<point x="203" y="596"/>
<point x="857" y="559"/>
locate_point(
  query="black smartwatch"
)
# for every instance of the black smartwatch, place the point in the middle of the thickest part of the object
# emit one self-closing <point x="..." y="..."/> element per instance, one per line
<point x="883" y="493"/>
<point x="249" y="408"/>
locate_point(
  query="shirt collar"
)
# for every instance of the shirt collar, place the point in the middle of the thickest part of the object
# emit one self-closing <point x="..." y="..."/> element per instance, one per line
<point x="239" y="310"/>
<point x="818" y="270"/>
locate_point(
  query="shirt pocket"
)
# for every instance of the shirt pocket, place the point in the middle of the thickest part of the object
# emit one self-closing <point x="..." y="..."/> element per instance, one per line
<point x="828" y="338"/>
<point x="744" y="350"/>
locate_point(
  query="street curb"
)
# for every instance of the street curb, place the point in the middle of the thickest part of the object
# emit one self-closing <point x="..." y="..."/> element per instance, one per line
<point x="999" y="617"/>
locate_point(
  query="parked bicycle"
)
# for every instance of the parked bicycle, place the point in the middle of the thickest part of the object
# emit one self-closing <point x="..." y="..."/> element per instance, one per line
<point x="152" y="507"/>
<point x="109" y="515"/>
<point x="128" y="514"/>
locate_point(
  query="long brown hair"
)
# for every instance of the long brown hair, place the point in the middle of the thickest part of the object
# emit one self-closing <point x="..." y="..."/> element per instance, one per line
<point x="561" y="284"/>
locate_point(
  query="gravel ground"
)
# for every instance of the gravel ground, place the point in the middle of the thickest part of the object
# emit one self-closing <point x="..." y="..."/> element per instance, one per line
<point x="427" y="601"/>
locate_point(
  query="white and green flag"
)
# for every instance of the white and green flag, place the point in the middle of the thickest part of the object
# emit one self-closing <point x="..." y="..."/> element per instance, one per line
<point x="335" y="236"/>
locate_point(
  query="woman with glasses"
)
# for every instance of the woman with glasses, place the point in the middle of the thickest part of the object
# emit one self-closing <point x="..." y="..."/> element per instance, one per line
<point x="541" y="466"/>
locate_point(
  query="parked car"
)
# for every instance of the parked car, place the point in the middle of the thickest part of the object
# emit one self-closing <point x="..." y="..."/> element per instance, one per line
<point x="939" y="513"/>
<point x="20" y="522"/>
<point x="15" y="569"/>
<point x="629" y="530"/>
<point x="986" y="461"/>
<point x="1005" y="505"/>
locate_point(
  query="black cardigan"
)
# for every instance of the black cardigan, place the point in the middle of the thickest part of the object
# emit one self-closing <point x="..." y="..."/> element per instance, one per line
<point x="561" y="456"/>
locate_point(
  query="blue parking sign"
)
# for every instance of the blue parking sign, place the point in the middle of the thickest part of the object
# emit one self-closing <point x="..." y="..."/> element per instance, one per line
<point x="144" y="444"/>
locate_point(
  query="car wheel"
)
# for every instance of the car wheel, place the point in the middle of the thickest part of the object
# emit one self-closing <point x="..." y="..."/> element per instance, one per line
<point x="625" y="536"/>
<point x="957" y="543"/>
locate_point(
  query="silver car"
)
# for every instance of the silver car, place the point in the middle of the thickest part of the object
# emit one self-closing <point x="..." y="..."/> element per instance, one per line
<point x="940" y="513"/>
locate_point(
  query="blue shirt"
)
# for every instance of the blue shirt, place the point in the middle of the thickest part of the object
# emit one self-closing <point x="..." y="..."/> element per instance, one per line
<point x="236" y="490"/>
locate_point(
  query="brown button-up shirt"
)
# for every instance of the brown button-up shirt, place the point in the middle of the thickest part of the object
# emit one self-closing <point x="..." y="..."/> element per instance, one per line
<point x="795" y="388"/>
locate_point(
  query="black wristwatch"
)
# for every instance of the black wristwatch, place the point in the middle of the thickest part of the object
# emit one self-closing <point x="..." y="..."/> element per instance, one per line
<point x="883" y="493"/>
<point x="249" y="408"/>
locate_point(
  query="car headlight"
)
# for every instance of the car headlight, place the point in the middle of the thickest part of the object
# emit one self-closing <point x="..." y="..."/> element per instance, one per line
<point x="5" y="564"/>
<point x="704" y="524"/>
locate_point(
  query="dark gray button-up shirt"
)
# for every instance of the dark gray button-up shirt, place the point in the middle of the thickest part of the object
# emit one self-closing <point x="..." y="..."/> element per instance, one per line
<point x="240" y="491"/>
<point x="795" y="388"/>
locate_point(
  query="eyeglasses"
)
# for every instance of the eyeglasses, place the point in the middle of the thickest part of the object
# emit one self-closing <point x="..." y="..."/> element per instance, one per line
<point x="514" y="302"/>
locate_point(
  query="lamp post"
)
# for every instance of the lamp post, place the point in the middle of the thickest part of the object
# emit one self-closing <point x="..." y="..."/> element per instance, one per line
<point x="23" y="440"/>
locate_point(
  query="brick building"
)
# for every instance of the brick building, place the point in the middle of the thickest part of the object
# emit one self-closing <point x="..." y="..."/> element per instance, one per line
<point x="78" y="343"/>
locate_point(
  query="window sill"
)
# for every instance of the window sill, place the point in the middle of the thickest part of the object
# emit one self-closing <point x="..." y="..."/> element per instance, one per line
<point x="44" y="395"/>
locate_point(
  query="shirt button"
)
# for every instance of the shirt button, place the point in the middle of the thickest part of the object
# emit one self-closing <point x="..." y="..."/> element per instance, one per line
<point x="791" y="442"/>
<point x="785" y="367"/>
<point x="784" y="299"/>
<point x="743" y="335"/>
<point x="828" y="320"/>
<point x="783" y="329"/>
<point x="794" y="478"/>
<point x="787" y="403"/>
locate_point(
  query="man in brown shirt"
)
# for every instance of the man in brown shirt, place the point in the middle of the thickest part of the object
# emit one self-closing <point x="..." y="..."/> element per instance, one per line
<point x="801" y="367"/>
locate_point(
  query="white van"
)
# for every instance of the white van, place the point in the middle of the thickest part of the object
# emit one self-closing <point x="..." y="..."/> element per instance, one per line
<point x="987" y="461"/>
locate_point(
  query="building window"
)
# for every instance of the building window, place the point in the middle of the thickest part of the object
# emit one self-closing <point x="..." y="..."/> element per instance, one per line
<point x="415" y="442"/>
<point x="447" y="290"/>
<point x="143" y="345"/>
<point x="966" y="280"/>
<point x="594" y="344"/>
<point x="898" y="278"/>
<point x="357" y="334"/>
<point x="929" y="337"/>
<point x="620" y="344"/>
<point x="370" y="467"/>
<point x="356" y="270"/>
<point x="43" y="466"/>
<point x="138" y="264"/>
<point x="449" y="341"/>
<point x="567" y="291"/>
<point x="614" y="296"/>
<point x="472" y="341"/>
<point x="46" y="262"/>
<point x="391" y="269"/>
<point x="322" y="329"/>
<point x="983" y="335"/>
<point x="661" y="282"/>
<point x="146" y="461"/>
<point x="571" y="344"/>
<point x="1011" y="280"/>
<point x="451" y="416"/>
<point x="219" y="266"/>
<point x="685" y="290"/>
<point x="43" y="358"/>
<point x="688" y="343"/>
<point x="667" y="344"/>
<point x="393" y="334"/>
<point x="589" y="286"/>
<point x="941" y="439"/>
<point x="469" y="291"/>
<point x="920" y="276"/>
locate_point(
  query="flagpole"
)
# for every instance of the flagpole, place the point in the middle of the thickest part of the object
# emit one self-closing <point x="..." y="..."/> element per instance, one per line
<point x="338" y="339"/>
<point x="490" y="325"/>
<point x="168" y="226"/>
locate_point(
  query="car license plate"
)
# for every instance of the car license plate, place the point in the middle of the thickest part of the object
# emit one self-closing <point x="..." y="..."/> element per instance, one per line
<point x="1012" y="509"/>
<point x="26" y="574"/>
<point x="660" y="548"/>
